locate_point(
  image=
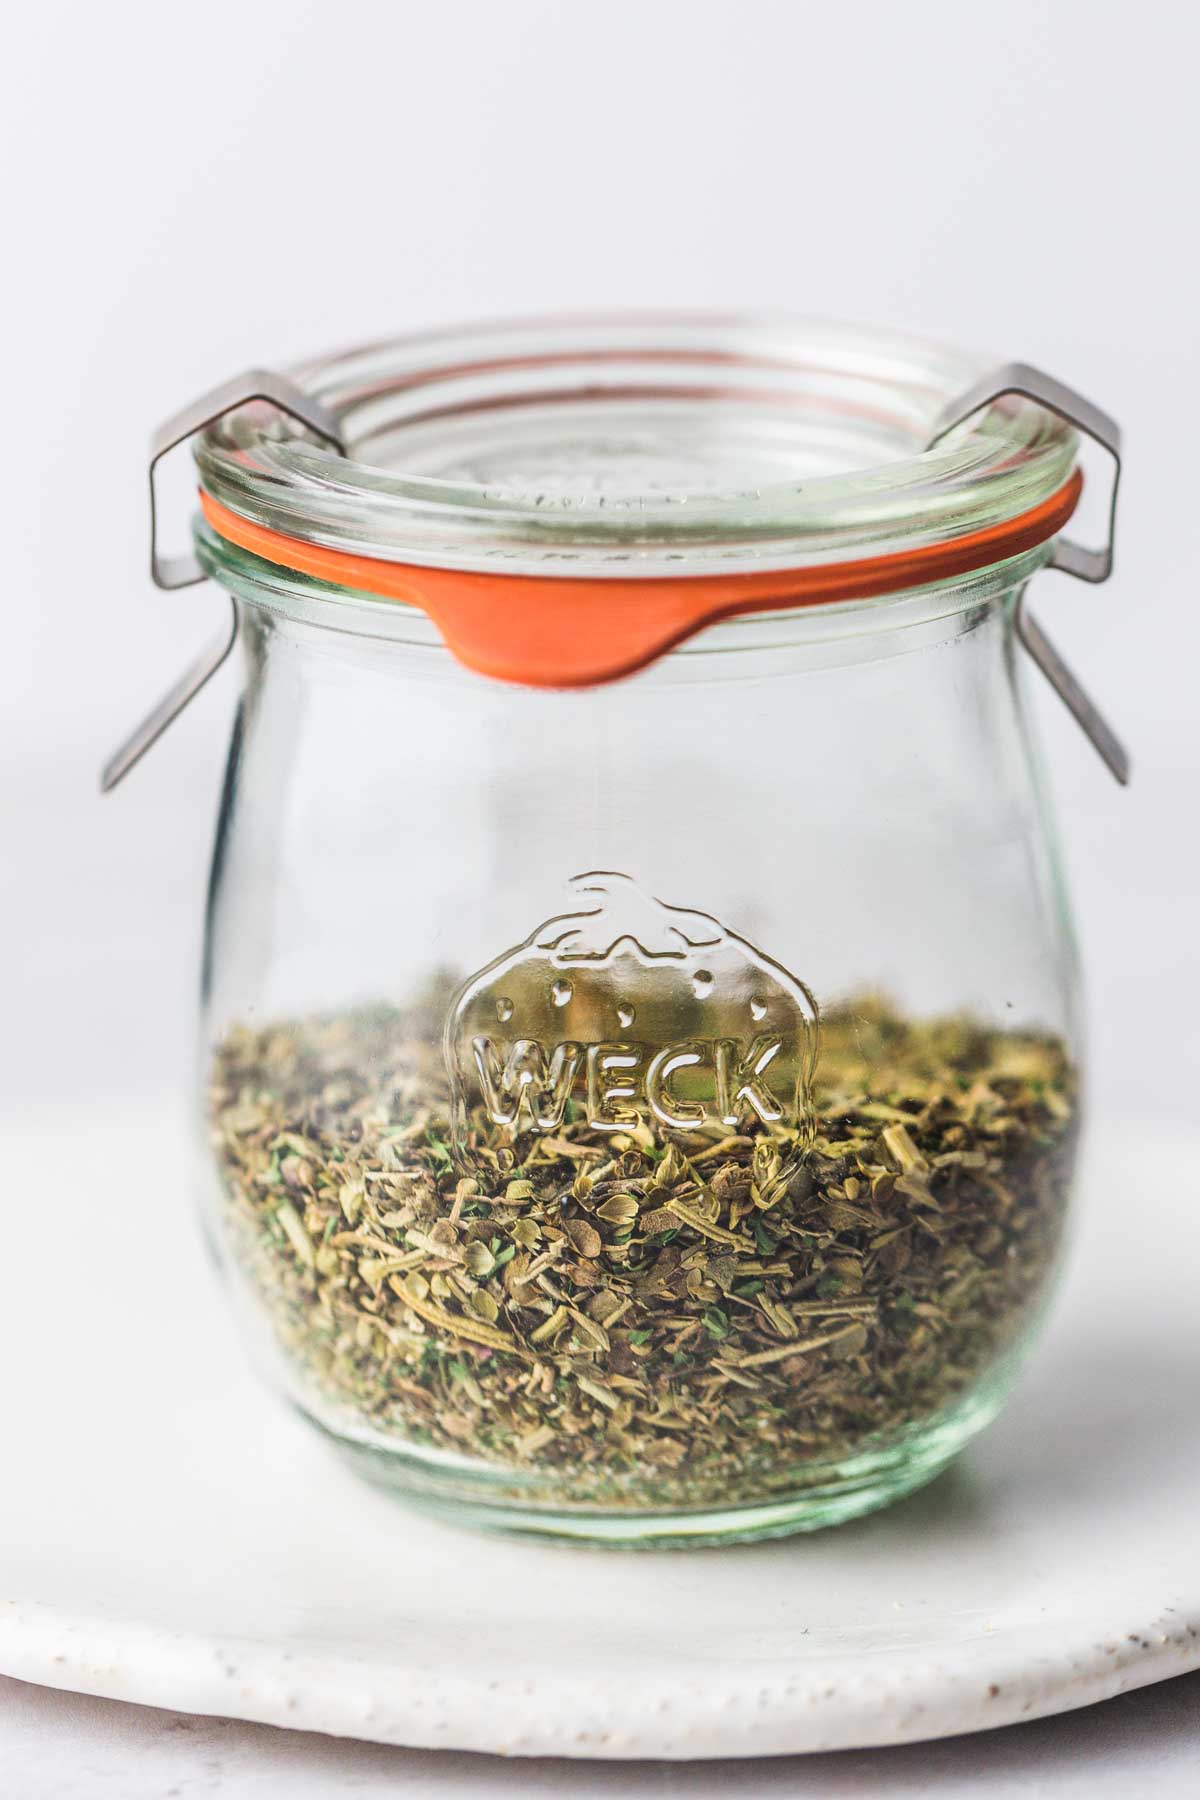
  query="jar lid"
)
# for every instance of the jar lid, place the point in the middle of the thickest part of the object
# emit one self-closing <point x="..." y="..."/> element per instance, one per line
<point x="568" y="499"/>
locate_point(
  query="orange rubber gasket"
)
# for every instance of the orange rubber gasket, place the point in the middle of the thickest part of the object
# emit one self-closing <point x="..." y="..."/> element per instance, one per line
<point x="556" y="632"/>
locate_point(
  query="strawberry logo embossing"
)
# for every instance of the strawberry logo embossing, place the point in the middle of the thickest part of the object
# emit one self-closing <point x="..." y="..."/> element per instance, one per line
<point x="631" y="1012"/>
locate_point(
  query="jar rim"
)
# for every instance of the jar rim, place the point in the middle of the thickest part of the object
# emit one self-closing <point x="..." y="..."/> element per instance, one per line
<point x="638" y="446"/>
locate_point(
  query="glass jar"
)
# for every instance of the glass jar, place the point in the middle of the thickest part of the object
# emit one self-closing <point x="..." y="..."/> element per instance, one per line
<point x="641" y="1049"/>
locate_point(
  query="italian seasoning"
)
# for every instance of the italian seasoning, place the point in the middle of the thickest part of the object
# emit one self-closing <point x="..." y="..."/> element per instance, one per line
<point x="638" y="1319"/>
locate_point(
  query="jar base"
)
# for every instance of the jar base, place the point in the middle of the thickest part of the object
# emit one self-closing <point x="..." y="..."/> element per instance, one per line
<point x="842" y="1492"/>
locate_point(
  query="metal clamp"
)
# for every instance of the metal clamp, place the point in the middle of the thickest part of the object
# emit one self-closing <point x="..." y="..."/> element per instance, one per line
<point x="1094" y="565"/>
<point x="256" y="384"/>
<point x="172" y="572"/>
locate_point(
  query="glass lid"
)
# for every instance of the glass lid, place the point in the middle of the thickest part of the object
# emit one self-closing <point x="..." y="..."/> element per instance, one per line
<point x="638" y="447"/>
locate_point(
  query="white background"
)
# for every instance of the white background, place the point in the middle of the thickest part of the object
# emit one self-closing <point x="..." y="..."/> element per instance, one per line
<point x="189" y="190"/>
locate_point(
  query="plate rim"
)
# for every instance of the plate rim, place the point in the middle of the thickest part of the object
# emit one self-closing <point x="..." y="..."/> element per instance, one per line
<point x="843" y="1701"/>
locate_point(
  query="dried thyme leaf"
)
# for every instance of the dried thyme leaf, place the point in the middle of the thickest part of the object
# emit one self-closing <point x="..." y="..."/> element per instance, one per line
<point x="622" y="1209"/>
<point x="585" y="1237"/>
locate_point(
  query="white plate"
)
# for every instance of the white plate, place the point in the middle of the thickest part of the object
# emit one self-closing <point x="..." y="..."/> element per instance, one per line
<point x="169" y="1534"/>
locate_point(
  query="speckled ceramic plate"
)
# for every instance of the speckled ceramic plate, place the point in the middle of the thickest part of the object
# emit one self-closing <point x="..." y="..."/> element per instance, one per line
<point x="169" y="1534"/>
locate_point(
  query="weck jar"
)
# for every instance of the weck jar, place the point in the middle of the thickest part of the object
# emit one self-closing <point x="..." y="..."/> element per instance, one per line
<point x="641" y="1057"/>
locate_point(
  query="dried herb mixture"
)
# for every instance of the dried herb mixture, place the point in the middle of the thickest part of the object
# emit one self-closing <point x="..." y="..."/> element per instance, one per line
<point x="611" y="1320"/>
